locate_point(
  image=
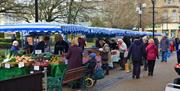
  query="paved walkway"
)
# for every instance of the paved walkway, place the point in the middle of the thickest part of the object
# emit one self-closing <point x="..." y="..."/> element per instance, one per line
<point x="122" y="81"/>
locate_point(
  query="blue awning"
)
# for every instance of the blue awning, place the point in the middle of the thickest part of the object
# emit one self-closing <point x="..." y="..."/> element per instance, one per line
<point x="44" y="27"/>
<point x="30" y="27"/>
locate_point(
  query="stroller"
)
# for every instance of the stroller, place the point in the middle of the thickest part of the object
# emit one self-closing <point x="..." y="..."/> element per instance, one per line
<point x="175" y="86"/>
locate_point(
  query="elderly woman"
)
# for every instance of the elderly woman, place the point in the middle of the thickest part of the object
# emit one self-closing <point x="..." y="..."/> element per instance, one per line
<point x="15" y="47"/>
<point x="122" y="49"/>
<point x="74" y="55"/>
<point x="152" y="54"/>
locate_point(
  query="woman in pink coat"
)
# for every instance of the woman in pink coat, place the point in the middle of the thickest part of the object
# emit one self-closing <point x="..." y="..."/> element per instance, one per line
<point x="152" y="54"/>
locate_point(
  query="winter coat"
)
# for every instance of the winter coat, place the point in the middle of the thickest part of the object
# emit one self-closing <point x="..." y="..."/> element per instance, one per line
<point x="74" y="57"/>
<point x="105" y="54"/>
<point x="61" y="47"/>
<point x="137" y="51"/>
<point x="164" y="44"/>
<point x="122" y="48"/>
<point x="15" y="49"/>
<point x="152" y="52"/>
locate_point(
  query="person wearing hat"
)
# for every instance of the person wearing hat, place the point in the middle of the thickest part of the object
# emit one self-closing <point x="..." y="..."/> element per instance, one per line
<point x="92" y="63"/>
<point x="15" y="47"/>
<point x="136" y="52"/>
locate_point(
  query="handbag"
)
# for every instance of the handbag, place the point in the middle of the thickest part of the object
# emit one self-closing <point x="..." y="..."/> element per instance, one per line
<point x="99" y="73"/>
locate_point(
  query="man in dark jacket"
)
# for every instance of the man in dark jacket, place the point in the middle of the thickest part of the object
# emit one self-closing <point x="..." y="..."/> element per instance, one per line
<point x="61" y="46"/>
<point x="43" y="45"/>
<point x="177" y="49"/>
<point x="137" y="52"/>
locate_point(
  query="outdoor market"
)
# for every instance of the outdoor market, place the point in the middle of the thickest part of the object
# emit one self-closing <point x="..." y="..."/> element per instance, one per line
<point x="37" y="55"/>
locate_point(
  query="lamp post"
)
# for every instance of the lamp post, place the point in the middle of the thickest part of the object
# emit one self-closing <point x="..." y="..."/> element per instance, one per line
<point x="139" y="10"/>
<point x="153" y="16"/>
<point x="36" y="10"/>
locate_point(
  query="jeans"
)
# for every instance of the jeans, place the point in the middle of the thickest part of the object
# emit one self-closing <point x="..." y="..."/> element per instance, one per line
<point x="164" y="56"/>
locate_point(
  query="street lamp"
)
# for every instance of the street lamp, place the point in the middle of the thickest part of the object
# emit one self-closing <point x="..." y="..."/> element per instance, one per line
<point x="153" y="9"/>
<point x="36" y="10"/>
<point x="139" y="10"/>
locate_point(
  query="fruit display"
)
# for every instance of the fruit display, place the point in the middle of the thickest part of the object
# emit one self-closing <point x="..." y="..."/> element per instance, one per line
<point x="56" y="60"/>
<point x="40" y="61"/>
<point x="25" y="59"/>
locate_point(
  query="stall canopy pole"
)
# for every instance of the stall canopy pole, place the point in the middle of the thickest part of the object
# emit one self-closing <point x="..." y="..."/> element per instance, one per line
<point x="36" y="10"/>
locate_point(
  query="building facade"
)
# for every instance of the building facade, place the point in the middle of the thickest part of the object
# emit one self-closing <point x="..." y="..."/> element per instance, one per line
<point x="169" y="22"/>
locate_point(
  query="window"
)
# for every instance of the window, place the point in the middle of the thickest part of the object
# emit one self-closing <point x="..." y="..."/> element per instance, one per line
<point x="174" y="16"/>
<point x="169" y="1"/>
<point x="165" y="14"/>
<point x="173" y="33"/>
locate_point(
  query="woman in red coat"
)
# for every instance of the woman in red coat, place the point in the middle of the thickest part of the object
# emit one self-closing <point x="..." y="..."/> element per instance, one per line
<point x="152" y="54"/>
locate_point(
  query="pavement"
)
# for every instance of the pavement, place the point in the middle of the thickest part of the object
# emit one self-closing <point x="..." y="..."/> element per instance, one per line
<point x="122" y="81"/>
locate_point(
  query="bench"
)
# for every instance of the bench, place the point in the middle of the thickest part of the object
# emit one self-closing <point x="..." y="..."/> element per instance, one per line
<point x="74" y="74"/>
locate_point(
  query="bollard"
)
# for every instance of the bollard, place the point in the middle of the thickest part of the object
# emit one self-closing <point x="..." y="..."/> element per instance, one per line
<point x="45" y="77"/>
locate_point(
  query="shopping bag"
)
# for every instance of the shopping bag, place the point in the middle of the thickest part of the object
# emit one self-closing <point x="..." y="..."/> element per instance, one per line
<point x="99" y="73"/>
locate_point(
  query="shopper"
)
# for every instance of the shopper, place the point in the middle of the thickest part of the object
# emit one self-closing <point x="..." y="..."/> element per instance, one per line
<point x="177" y="41"/>
<point x="152" y="54"/>
<point x="105" y="56"/>
<point x="145" y="42"/>
<point x="61" y="46"/>
<point x="122" y="49"/>
<point x="137" y="52"/>
<point x="81" y="42"/>
<point x="74" y="55"/>
<point x="164" y="45"/>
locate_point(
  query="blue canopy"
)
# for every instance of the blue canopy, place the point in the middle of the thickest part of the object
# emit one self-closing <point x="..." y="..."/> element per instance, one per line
<point x="30" y="27"/>
<point x="106" y="31"/>
<point x="98" y="30"/>
<point x="43" y="27"/>
<point x="70" y="28"/>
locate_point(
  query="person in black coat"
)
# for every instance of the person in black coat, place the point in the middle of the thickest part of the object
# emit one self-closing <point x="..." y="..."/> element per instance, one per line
<point x="137" y="52"/>
<point x="127" y="41"/>
<point x="61" y="46"/>
<point x="43" y="44"/>
<point x="177" y="41"/>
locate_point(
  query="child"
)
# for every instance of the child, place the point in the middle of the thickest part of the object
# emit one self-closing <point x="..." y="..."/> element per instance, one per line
<point x="91" y="63"/>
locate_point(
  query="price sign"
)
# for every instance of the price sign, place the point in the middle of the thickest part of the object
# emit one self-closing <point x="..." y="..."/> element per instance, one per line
<point x="36" y="67"/>
<point x="38" y="51"/>
<point x="7" y="66"/>
<point x="21" y="64"/>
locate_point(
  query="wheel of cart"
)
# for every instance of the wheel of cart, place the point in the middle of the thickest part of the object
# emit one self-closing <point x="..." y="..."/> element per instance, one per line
<point x="89" y="81"/>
